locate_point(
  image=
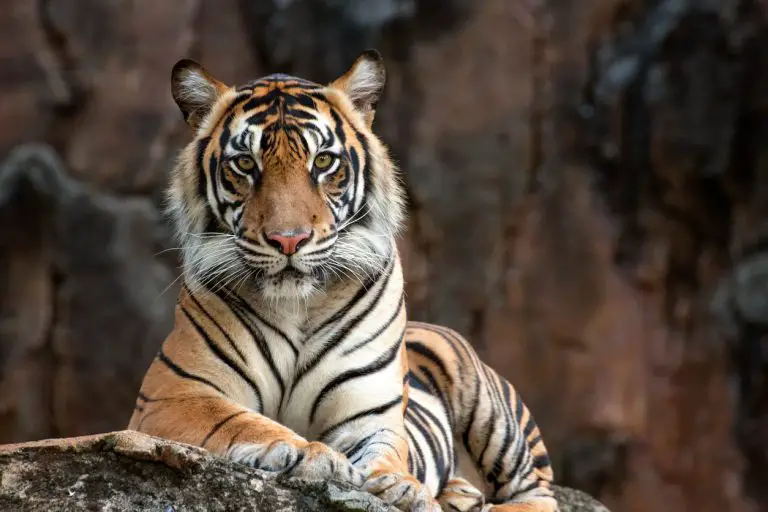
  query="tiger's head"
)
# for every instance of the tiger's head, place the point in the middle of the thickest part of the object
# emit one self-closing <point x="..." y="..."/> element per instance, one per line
<point x="284" y="188"/>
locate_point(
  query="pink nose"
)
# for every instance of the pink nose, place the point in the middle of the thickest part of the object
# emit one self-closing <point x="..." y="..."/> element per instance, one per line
<point x="287" y="242"/>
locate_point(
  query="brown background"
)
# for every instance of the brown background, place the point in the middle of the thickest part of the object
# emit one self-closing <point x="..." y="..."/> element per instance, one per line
<point x="588" y="194"/>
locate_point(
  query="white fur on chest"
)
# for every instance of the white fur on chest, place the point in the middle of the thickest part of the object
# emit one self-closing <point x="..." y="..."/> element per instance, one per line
<point x="314" y="399"/>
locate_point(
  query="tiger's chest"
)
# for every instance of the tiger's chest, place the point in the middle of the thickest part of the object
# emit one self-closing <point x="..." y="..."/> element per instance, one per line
<point x="297" y="368"/>
<point x="342" y="354"/>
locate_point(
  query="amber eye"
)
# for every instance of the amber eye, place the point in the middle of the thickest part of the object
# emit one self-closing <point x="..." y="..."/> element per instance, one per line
<point x="245" y="163"/>
<point x="323" y="161"/>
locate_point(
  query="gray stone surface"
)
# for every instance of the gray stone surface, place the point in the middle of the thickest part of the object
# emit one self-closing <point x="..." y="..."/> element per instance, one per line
<point x="129" y="471"/>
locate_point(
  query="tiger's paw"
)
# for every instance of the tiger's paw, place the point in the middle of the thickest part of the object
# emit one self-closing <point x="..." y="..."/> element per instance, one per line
<point x="308" y="461"/>
<point x="402" y="491"/>
<point x="461" y="496"/>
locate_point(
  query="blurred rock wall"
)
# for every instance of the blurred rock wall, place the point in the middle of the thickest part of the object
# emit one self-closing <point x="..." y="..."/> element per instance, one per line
<point x="588" y="194"/>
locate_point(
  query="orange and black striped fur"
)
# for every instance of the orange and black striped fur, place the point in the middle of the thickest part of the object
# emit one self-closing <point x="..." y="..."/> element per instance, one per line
<point x="291" y="350"/>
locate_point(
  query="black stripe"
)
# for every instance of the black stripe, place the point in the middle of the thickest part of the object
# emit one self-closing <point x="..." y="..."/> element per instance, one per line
<point x="530" y="424"/>
<point x="302" y="114"/>
<point x="261" y="342"/>
<point x="342" y="332"/>
<point x="500" y="500"/>
<point x="262" y="100"/>
<point x="339" y="314"/>
<point x="464" y="355"/>
<point x="415" y="382"/>
<point x="244" y="305"/>
<point x="374" y="443"/>
<point x="504" y="405"/>
<point x="258" y="338"/>
<point x="380" y="330"/>
<point x="520" y="455"/>
<point x="256" y="118"/>
<point x="232" y="440"/>
<point x="215" y="323"/>
<point x="489" y="430"/>
<point x="421" y="470"/>
<point x="421" y="349"/>
<point x="221" y="355"/>
<point x="473" y="412"/>
<point x="202" y="144"/>
<point x="306" y="101"/>
<point x="437" y="448"/>
<point x="440" y="392"/>
<point x="218" y="202"/>
<point x="354" y="449"/>
<point x="379" y="364"/>
<point x="220" y="424"/>
<point x="179" y="371"/>
<point x="338" y="128"/>
<point x="365" y="170"/>
<point x="226" y="131"/>
<point x="332" y="234"/>
<point x="541" y="461"/>
<point x="239" y="142"/>
<point x="354" y="161"/>
<point x="381" y="409"/>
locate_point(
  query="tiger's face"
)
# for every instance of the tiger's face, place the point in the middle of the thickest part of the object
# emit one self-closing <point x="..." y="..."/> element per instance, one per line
<point x="285" y="188"/>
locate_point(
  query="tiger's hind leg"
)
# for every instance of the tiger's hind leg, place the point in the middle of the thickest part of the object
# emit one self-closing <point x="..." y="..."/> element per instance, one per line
<point x="459" y="495"/>
<point x="488" y="418"/>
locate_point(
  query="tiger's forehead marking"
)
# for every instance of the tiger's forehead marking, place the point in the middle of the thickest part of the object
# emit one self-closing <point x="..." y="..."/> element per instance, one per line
<point x="275" y="109"/>
<point x="283" y="122"/>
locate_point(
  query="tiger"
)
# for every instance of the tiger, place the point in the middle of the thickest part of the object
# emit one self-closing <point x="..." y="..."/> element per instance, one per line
<point x="291" y="351"/>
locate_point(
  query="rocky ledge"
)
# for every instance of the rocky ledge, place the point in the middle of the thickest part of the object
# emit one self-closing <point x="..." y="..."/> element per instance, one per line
<point x="122" y="471"/>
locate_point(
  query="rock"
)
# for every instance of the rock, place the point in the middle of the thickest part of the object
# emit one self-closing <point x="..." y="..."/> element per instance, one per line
<point x="572" y="500"/>
<point x="130" y="471"/>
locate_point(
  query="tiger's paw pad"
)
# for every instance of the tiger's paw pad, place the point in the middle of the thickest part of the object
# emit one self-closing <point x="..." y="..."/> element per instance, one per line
<point x="461" y="496"/>
<point x="311" y="461"/>
<point x="401" y="491"/>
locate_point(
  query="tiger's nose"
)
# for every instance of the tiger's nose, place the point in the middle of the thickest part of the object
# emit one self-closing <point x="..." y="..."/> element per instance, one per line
<point x="288" y="242"/>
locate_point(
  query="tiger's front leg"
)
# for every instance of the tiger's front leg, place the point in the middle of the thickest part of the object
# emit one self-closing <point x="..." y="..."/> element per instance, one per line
<point x="216" y="403"/>
<point x="230" y="430"/>
<point x="379" y="450"/>
<point x="374" y="438"/>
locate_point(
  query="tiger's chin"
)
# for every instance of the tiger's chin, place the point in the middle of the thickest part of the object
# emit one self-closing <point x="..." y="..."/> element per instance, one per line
<point x="289" y="284"/>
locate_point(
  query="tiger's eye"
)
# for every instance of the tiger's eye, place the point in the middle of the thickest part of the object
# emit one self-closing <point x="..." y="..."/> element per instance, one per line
<point x="323" y="160"/>
<point x="245" y="163"/>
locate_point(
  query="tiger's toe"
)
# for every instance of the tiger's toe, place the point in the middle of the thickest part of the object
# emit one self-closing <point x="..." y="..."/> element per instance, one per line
<point x="317" y="461"/>
<point x="307" y="461"/>
<point x="459" y="495"/>
<point x="402" y="491"/>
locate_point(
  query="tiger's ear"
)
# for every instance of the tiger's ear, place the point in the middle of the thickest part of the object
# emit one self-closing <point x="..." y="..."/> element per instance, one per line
<point x="363" y="83"/>
<point x="194" y="90"/>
